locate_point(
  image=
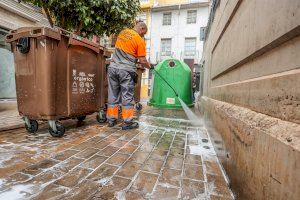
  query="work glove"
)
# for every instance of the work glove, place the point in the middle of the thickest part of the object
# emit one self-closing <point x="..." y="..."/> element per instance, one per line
<point x="152" y="66"/>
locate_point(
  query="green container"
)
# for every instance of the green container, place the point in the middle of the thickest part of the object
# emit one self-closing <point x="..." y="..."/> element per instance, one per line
<point x="179" y="76"/>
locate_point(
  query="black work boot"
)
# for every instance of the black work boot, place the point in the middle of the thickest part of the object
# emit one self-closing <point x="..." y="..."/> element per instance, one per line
<point x="112" y="123"/>
<point x="130" y="125"/>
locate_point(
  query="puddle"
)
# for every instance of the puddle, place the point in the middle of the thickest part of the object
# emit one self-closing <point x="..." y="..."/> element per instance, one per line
<point x="104" y="181"/>
<point x="199" y="150"/>
<point x="16" y="192"/>
<point x="120" y="195"/>
<point x="205" y="140"/>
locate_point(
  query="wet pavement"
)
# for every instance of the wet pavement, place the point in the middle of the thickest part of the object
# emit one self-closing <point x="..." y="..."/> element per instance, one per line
<point x="166" y="158"/>
<point x="10" y="119"/>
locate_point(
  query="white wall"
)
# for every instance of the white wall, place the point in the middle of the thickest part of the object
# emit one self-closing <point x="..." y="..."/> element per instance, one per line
<point x="178" y="31"/>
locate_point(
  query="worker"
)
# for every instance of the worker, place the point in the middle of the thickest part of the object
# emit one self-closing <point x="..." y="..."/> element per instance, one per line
<point x="130" y="48"/>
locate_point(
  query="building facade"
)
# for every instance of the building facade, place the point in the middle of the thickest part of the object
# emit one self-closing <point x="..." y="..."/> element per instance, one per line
<point x="175" y="31"/>
<point x="14" y="15"/>
<point x="145" y="16"/>
<point x="251" y="95"/>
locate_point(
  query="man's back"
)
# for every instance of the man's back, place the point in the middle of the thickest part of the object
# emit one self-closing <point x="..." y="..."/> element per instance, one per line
<point x="129" y="46"/>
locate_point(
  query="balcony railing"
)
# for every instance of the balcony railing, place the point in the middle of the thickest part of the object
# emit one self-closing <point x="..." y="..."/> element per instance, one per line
<point x="190" y="53"/>
<point x="166" y="53"/>
<point x="179" y="55"/>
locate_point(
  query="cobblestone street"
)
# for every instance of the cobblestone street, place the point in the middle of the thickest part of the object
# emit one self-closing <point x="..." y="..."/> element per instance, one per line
<point x="166" y="158"/>
<point x="9" y="117"/>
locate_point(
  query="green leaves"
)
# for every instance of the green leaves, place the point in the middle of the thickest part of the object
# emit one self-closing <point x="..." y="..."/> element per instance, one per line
<point x="88" y="17"/>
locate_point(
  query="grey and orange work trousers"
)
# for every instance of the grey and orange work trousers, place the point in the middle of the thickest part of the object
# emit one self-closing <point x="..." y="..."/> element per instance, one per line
<point x="120" y="92"/>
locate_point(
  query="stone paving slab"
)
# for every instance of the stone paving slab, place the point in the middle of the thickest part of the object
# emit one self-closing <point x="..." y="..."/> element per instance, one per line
<point x="166" y="158"/>
<point x="10" y="119"/>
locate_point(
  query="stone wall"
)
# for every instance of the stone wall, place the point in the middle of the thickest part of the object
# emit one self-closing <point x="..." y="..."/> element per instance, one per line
<point x="251" y="97"/>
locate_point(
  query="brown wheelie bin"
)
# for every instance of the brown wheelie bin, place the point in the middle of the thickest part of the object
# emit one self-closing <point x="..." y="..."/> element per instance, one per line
<point x="59" y="75"/>
<point x="137" y="95"/>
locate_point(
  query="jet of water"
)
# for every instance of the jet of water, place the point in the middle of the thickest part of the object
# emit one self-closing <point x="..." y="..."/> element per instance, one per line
<point x="195" y="120"/>
<point x="192" y="117"/>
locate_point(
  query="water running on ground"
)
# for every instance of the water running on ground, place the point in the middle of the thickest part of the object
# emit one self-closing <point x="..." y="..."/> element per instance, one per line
<point x="195" y="120"/>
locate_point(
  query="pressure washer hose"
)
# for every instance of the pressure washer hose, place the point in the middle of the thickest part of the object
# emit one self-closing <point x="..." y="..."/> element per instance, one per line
<point x="165" y="81"/>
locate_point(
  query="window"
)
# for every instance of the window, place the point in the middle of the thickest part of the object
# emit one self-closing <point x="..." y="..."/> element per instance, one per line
<point x="166" y="47"/>
<point x="190" y="46"/>
<point x="141" y="17"/>
<point x="191" y="17"/>
<point x="167" y="18"/>
<point x="3" y="44"/>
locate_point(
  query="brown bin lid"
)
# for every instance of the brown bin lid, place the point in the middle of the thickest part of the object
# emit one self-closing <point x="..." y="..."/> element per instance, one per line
<point x="107" y="53"/>
<point x="33" y="32"/>
<point x="81" y="41"/>
<point x="54" y="33"/>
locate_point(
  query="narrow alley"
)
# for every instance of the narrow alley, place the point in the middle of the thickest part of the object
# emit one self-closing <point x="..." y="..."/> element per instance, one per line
<point x="150" y="100"/>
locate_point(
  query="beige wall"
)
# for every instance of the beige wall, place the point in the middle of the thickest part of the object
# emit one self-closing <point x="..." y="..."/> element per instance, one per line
<point x="170" y="2"/>
<point x="252" y="64"/>
<point x="12" y="21"/>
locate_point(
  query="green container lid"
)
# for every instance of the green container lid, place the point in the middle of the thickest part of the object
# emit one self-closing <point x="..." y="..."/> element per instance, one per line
<point x="179" y="76"/>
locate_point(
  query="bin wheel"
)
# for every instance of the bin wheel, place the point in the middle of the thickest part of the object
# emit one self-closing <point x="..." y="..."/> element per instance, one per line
<point x="34" y="126"/>
<point x="138" y="106"/>
<point x="81" y="118"/>
<point x="60" y="130"/>
<point x="101" y="117"/>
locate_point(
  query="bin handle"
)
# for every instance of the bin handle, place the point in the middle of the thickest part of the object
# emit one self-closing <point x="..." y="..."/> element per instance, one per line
<point x="106" y="53"/>
<point x="65" y="32"/>
<point x="15" y="36"/>
<point x="39" y="31"/>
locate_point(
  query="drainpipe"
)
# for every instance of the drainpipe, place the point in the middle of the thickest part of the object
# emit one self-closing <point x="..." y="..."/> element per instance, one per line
<point x="151" y="35"/>
<point x="178" y="22"/>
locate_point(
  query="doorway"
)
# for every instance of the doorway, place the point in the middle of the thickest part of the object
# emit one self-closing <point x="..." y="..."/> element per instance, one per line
<point x="7" y="70"/>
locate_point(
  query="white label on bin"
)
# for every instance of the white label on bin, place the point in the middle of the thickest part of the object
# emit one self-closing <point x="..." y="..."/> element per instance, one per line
<point x="74" y="72"/>
<point x="42" y="43"/>
<point x="74" y="88"/>
<point x="81" y="74"/>
<point x="74" y="85"/>
<point x="170" y="101"/>
<point x="81" y="90"/>
<point x="82" y="82"/>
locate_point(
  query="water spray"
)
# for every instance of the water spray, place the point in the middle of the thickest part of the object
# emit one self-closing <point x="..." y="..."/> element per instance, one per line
<point x="190" y="114"/>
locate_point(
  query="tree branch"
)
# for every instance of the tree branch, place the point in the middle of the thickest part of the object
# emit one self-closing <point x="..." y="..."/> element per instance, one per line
<point x="78" y="30"/>
<point x="48" y="16"/>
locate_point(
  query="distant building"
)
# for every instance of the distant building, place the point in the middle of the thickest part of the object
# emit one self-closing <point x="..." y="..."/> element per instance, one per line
<point x="14" y="15"/>
<point x="176" y="30"/>
<point x="145" y="16"/>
